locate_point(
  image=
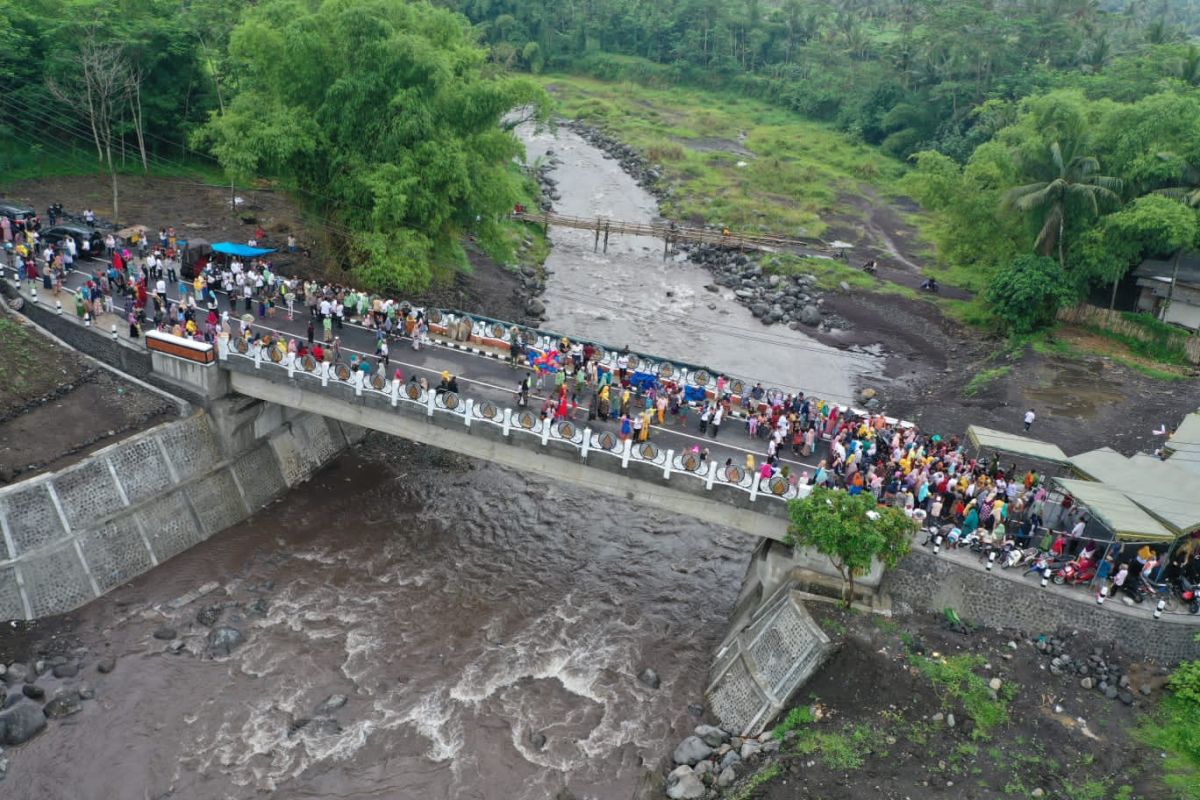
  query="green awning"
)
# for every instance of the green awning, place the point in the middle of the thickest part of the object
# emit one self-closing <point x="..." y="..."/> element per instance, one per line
<point x="1125" y="518"/>
<point x="1183" y="448"/>
<point x="988" y="439"/>
<point x="1168" y="493"/>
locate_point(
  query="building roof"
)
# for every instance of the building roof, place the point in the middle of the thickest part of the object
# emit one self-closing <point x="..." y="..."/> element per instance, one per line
<point x="1125" y="518"/>
<point x="989" y="439"/>
<point x="1183" y="447"/>
<point x="1189" y="268"/>
<point x="1164" y="490"/>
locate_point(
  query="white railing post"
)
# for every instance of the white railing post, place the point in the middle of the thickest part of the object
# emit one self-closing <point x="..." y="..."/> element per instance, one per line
<point x="712" y="474"/>
<point x="467" y="416"/>
<point x="223" y="347"/>
<point x="546" y="423"/>
<point x="587" y="443"/>
<point x="358" y="380"/>
<point x="291" y="365"/>
<point x="667" y="464"/>
<point x="507" y="421"/>
<point x="625" y="454"/>
<point x="257" y="357"/>
<point x="395" y="392"/>
<point x="430" y="399"/>
<point x="754" y="488"/>
<point x="323" y="367"/>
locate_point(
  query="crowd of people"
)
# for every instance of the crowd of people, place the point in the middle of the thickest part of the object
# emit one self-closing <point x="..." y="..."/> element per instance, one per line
<point x="977" y="501"/>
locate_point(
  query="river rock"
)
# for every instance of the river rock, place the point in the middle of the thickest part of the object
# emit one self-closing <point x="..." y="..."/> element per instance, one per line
<point x="535" y="307"/>
<point x="1087" y="683"/>
<point x="683" y="784"/>
<point x="1125" y="697"/>
<point x="20" y="723"/>
<point x="33" y="691"/>
<point x="994" y="684"/>
<point x="696" y="710"/>
<point x="711" y="735"/>
<point x="224" y="640"/>
<point x="691" y="750"/>
<point x="1111" y="692"/>
<point x="750" y="748"/>
<point x="15" y="673"/>
<point x="702" y="768"/>
<point x="810" y="315"/>
<point x="209" y="615"/>
<point x="68" y="670"/>
<point x="106" y="664"/>
<point x="538" y="740"/>
<point x="950" y="721"/>
<point x="86" y="692"/>
<point x="331" y="704"/>
<point x="63" y="705"/>
<point x="165" y="633"/>
<point x="727" y="777"/>
<point x="728" y="760"/>
<point x="649" y="677"/>
<point x="845" y="287"/>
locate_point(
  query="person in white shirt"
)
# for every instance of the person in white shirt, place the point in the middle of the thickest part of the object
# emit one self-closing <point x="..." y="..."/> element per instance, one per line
<point x="1029" y="417"/>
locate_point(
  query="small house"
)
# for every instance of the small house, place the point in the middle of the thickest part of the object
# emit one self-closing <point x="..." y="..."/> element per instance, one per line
<point x="1154" y="284"/>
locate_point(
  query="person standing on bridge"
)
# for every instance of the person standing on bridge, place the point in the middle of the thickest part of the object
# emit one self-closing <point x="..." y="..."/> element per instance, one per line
<point x="717" y="416"/>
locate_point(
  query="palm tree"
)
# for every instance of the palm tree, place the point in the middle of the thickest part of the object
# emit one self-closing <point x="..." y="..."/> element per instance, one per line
<point x="1069" y="181"/>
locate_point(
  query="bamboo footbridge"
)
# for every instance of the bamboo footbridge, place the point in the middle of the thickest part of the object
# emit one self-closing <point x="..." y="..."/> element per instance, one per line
<point x="671" y="233"/>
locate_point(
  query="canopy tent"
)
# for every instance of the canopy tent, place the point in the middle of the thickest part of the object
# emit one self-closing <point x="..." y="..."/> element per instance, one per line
<point x="1165" y="491"/>
<point x="245" y="251"/>
<point x="988" y="439"/>
<point x="1183" y="448"/>
<point x="126" y="233"/>
<point x="1125" y="519"/>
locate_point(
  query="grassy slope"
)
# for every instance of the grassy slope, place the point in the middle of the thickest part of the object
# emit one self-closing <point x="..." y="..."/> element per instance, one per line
<point x="791" y="182"/>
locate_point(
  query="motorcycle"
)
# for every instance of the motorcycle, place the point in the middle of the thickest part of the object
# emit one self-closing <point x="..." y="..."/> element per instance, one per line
<point x="1017" y="557"/>
<point x="1146" y="588"/>
<point x="1189" y="595"/>
<point x="1081" y="571"/>
<point x="1039" y="564"/>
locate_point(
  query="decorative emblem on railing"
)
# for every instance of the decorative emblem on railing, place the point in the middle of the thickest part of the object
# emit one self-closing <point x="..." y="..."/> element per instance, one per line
<point x="734" y="474"/>
<point x="275" y="355"/>
<point x="737" y="386"/>
<point x="308" y="363"/>
<point x="648" y="450"/>
<point x="434" y="315"/>
<point x="700" y="378"/>
<point x="413" y="391"/>
<point x="377" y="382"/>
<point x="341" y="372"/>
<point x="609" y="441"/>
<point x="778" y="485"/>
<point x="691" y="462"/>
<point x="566" y="429"/>
<point x="497" y="331"/>
<point x="487" y="409"/>
<point x="527" y="420"/>
<point x="450" y="400"/>
<point x="241" y="345"/>
<point x="666" y="370"/>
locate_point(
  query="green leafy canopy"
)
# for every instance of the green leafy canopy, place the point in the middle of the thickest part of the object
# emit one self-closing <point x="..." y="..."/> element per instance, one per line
<point x="851" y="530"/>
<point x="384" y="116"/>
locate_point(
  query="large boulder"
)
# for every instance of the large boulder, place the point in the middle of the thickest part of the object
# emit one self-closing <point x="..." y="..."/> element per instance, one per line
<point x="683" y="784"/>
<point x="691" y="750"/>
<point x="810" y="315"/>
<point x="224" y="640"/>
<point x="63" y="705"/>
<point x="20" y="723"/>
<point x="15" y="673"/>
<point x="711" y="735"/>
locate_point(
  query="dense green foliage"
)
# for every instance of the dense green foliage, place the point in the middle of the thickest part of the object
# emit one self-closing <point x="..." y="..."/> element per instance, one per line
<point x="381" y="112"/>
<point x="1172" y="729"/>
<point x="1028" y="292"/>
<point x="851" y="530"/>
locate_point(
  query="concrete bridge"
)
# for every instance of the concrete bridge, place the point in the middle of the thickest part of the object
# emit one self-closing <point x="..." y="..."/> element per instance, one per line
<point x="664" y="472"/>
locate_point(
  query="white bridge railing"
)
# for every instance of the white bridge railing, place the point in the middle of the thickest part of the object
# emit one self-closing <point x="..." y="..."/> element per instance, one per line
<point x="513" y="422"/>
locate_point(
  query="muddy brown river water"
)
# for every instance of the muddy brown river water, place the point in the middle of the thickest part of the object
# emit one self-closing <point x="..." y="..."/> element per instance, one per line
<point x="463" y="611"/>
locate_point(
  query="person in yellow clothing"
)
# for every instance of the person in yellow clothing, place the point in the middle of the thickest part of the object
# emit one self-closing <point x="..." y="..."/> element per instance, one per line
<point x="645" y="432"/>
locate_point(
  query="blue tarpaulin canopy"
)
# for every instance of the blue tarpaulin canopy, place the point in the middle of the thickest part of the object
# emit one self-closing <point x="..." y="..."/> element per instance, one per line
<point x="231" y="249"/>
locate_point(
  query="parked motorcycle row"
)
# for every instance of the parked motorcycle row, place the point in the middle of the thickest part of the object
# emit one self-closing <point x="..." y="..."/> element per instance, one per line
<point x="1064" y="569"/>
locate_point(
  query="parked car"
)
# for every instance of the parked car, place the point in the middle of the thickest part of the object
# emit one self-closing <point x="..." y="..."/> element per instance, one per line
<point x="77" y="232"/>
<point x="18" y="214"/>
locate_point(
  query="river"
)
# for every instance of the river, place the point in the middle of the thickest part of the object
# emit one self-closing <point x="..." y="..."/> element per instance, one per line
<point x="460" y="608"/>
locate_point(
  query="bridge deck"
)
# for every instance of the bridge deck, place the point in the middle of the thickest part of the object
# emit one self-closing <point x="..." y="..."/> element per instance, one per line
<point x="603" y="226"/>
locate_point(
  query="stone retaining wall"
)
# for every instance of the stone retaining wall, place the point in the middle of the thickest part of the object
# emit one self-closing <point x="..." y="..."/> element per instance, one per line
<point x="73" y="535"/>
<point x="1002" y="598"/>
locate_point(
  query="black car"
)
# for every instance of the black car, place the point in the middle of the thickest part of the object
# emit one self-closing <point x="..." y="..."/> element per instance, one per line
<point x="79" y="233"/>
<point x="18" y="214"/>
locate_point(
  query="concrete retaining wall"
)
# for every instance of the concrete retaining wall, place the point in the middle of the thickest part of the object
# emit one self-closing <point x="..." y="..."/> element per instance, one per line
<point x="71" y="536"/>
<point x="1000" y="598"/>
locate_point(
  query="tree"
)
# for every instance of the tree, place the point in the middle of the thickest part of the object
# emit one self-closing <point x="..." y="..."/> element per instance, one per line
<point x="100" y="85"/>
<point x="383" y="115"/>
<point x="851" y="531"/>
<point x="1027" y="294"/>
<point x="1068" y="184"/>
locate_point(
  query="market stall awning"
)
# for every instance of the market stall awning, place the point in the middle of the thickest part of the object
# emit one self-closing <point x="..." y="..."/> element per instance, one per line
<point x="1125" y="518"/>
<point x="1183" y="448"/>
<point x="988" y="439"/>
<point x="1167" y="492"/>
<point x="243" y="250"/>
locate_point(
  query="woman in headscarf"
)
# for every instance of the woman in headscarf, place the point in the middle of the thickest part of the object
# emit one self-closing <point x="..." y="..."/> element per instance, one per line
<point x="971" y="522"/>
